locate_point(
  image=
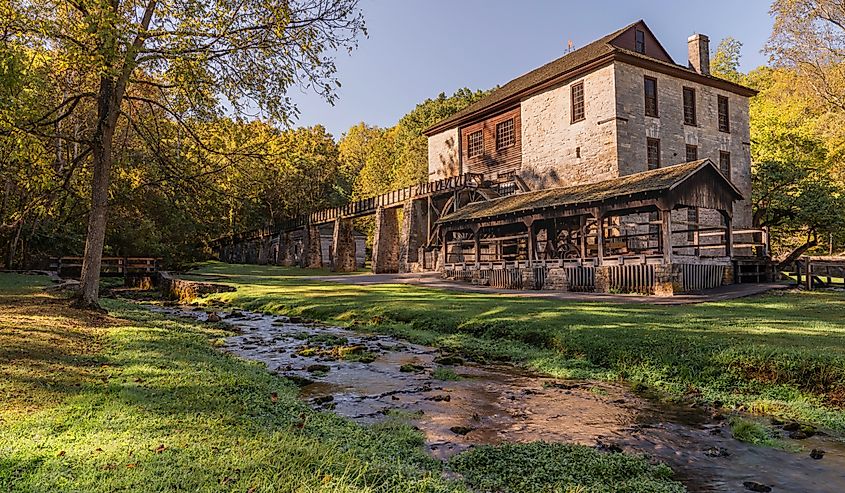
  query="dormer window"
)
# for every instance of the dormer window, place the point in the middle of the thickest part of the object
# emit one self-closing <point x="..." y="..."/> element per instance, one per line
<point x="639" y="45"/>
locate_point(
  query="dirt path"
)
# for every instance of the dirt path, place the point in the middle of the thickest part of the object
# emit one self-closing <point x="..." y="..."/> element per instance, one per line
<point x="366" y="377"/>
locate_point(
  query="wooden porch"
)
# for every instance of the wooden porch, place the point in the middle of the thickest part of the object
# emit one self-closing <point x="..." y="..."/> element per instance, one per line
<point x="639" y="233"/>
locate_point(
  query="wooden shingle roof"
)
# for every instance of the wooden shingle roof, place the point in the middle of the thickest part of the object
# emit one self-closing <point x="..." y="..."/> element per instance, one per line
<point x="652" y="182"/>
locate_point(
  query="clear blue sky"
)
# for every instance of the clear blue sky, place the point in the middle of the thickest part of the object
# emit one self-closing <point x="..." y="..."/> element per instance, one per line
<point x="419" y="48"/>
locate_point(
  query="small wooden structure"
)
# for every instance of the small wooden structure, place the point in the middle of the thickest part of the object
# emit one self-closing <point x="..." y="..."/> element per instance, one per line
<point x="635" y="233"/>
<point x="110" y="267"/>
<point x="817" y="272"/>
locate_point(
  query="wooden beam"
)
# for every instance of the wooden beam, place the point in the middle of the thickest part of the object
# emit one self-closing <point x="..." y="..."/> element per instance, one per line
<point x="666" y="235"/>
<point x="582" y="236"/>
<point x="729" y="235"/>
<point x="600" y="242"/>
<point x="476" y="245"/>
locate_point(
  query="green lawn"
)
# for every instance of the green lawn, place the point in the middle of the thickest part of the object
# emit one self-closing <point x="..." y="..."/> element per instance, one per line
<point x="781" y="354"/>
<point x="136" y="402"/>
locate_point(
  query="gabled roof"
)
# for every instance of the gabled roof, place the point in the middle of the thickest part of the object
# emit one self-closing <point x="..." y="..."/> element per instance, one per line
<point x="653" y="182"/>
<point x="582" y="60"/>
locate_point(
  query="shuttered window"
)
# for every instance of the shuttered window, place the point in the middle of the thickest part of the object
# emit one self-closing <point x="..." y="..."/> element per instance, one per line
<point x="689" y="106"/>
<point x="692" y="153"/>
<point x="650" y="84"/>
<point x="653" y="153"/>
<point x="724" y="119"/>
<point x="725" y="163"/>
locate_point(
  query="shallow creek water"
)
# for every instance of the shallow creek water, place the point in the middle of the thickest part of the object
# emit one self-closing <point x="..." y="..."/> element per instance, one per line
<point x="492" y="404"/>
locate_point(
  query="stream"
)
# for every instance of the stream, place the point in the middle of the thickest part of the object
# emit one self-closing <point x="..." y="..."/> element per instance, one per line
<point x="364" y="376"/>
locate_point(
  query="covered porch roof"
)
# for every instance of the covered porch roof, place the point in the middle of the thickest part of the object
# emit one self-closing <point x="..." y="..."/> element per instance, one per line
<point x="695" y="184"/>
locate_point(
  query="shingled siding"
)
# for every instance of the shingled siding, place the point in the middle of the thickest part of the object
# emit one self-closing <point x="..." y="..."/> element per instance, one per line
<point x="551" y="141"/>
<point x="443" y="158"/>
<point x="493" y="163"/>
<point x="634" y="127"/>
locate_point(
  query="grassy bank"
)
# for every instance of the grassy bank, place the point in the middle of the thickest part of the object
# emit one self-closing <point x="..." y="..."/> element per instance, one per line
<point x="133" y="401"/>
<point x="780" y="354"/>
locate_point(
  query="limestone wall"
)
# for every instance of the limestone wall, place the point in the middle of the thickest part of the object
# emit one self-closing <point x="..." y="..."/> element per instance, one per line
<point x="443" y="155"/>
<point x="633" y="127"/>
<point x="551" y="143"/>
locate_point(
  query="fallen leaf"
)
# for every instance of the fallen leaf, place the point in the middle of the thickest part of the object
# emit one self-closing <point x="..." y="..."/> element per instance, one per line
<point x="274" y="397"/>
<point x="161" y="448"/>
<point x="98" y="449"/>
<point x="61" y="454"/>
<point x="130" y="466"/>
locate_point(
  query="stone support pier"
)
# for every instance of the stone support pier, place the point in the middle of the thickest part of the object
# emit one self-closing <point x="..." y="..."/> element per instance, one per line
<point x="343" y="246"/>
<point x="414" y="226"/>
<point x="312" y="252"/>
<point x="386" y="241"/>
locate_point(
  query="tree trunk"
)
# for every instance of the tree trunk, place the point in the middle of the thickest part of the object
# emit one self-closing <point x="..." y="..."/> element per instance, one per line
<point x="89" y="287"/>
<point x="795" y="254"/>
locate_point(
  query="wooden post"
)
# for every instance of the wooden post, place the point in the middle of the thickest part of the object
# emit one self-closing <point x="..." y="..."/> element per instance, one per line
<point x="666" y="234"/>
<point x="729" y="235"/>
<point x="582" y="236"/>
<point x="445" y="235"/>
<point x="476" y="245"/>
<point x="532" y="240"/>
<point x="808" y="281"/>
<point x="600" y="242"/>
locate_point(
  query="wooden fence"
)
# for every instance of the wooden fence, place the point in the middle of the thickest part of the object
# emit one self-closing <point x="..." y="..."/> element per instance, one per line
<point x="634" y="278"/>
<point x="817" y="272"/>
<point x="695" y="277"/>
<point x="110" y="266"/>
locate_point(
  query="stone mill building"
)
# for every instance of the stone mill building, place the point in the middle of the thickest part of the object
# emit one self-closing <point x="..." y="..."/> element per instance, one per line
<point x="612" y="168"/>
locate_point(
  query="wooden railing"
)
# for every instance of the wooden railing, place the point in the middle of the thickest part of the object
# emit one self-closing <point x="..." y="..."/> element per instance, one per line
<point x="363" y="207"/>
<point x="109" y="267"/>
<point x="812" y="273"/>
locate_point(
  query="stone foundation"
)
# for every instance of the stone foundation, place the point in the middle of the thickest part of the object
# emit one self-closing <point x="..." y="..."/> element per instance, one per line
<point x="602" y="279"/>
<point x="312" y="254"/>
<point x="413" y="234"/>
<point x="386" y="241"/>
<point x="185" y="291"/>
<point x="556" y="279"/>
<point x="667" y="280"/>
<point x="728" y="277"/>
<point x="343" y="246"/>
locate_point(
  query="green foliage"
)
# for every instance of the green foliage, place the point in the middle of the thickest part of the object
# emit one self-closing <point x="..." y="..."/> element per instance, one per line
<point x="398" y="157"/>
<point x="725" y="63"/>
<point x="545" y="468"/>
<point x="750" y="431"/>
<point x="794" y="190"/>
<point x="445" y="374"/>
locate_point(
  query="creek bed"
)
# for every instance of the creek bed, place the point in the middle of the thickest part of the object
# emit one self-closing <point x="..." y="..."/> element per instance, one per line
<point x="366" y="377"/>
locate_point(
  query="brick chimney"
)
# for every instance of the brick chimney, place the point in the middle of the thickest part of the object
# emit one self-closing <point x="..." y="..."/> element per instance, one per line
<point x="698" y="47"/>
